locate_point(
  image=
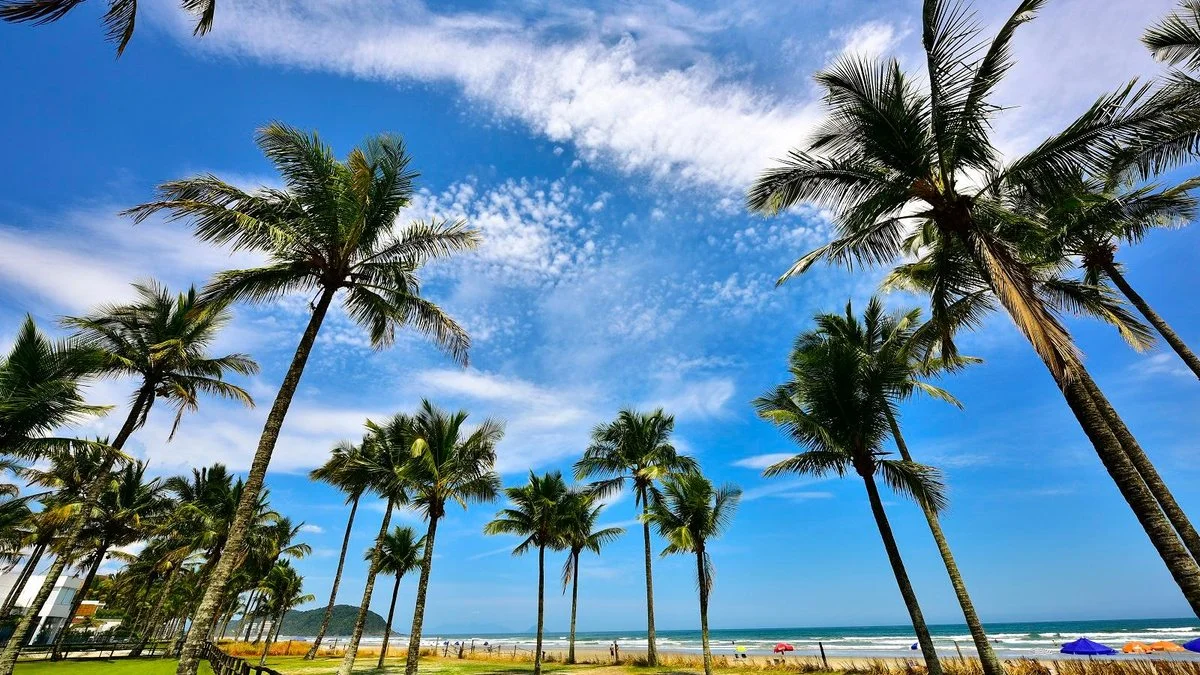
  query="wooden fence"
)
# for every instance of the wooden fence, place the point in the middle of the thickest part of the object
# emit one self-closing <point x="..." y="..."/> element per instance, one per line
<point x="224" y="664"/>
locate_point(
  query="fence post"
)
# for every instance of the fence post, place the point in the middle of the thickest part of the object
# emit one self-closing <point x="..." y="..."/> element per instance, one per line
<point x="824" y="661"/>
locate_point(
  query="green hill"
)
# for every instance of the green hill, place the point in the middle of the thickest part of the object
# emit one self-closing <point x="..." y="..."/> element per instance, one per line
<point x="307" y="623"/>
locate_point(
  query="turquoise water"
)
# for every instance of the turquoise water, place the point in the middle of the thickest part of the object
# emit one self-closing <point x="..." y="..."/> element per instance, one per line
<point x="1011" y="640"/>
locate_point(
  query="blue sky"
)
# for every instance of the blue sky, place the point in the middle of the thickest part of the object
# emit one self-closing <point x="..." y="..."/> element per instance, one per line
<point x="602" y="150"/>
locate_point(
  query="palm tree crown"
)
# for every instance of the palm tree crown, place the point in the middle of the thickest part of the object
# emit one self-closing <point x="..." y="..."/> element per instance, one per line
<point x="119" y="20"/>
<point x="163" y="340"/>
<point x="332" y="229"/>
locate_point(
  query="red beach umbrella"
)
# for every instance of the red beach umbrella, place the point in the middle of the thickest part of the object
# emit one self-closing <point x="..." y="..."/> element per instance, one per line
<point x="784" y="647"/>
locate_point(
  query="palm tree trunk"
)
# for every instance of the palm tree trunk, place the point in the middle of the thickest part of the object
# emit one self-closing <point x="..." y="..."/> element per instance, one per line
<point x="651" y="649"/>
<point x="101" y="551"/>
<point x="1098" y="426"/>
<point x="987" y="656"/>
<point x="372" y="570"/>
<point x="414" y="636"/>
<point x="702" y="579"/>
<point x="337" y="580"/>
<point x="8" y="659"/>
<point x="248" y="615"/>
<point x="151" y="628"/>
<point x="541" y="617"/>
<point x="574" y="606"/>
<point x="14" y="594"/>
<point x="262" y="628"/>
<point x="932" y="664"/>
<point x="1166" y="541"/>
<point x="1162" y="494"/>
<point x="206" y="613"/>
<point x="272" y="636"/>
<point x="1164" y="329"/>
<point x="387" y="629"/>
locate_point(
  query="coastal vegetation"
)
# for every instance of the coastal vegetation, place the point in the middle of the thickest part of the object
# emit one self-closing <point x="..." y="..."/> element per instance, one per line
<point x="908" y="168"/>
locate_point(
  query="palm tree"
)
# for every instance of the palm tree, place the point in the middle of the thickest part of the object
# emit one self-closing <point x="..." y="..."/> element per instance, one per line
<point x="162" y="340"/>
<point x="40" y="390"/>
<point x="1092" y="217"/>
<point x="448" y="464"/>
<point x="836" y="405"/>
<point x="119" y="20"/>
<point x="892" y="159"/>
<point x="580" y="534"/>
<point x="636" y="447"/>
<point x="400" y="552"/>
<point x="127" y="510"/>
<point x="339" y="472"/>
<point x="900" y="340"/>
<point x="1176" y="39"/>
<point x="284" y="590"/>
<point x="385" y="451"/>
<point x="538" y="513"/>
<point x="332" y="230"/>
<point x="688" y="513"/>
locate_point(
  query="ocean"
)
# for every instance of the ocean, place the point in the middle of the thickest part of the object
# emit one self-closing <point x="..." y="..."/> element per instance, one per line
<point x="1010" y="640"/>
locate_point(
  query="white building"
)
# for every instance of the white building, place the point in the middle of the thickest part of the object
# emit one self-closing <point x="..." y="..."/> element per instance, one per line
<point x="54" y="613"/>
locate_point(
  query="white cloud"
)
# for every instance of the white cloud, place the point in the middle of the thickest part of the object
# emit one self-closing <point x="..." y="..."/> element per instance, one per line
<point x="780" y="487"/>
<point x="312" y="529"/>
<point x="871" y="39"/>
<point x="542" y="424"/>
<point x="699" y="400"/>
<point x="763" y="461"/>
<point x="532" y="229"/>
<point x="609" y="96"/>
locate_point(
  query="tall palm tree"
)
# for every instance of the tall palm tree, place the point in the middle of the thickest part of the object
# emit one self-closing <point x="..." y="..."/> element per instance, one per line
<point x="538" y="513"/>
<point x="836" y="405"/>
<point x="339" y="471"/>
<point x="1092" y="217"/>
<point x="902" y="341"/>
<point x="580" y="534"/>
<point x="41" y="390"/>
<point x="385" y="451"/>
<point x="331" y="230"/>
<point x="400" y="552"/>
<point x="119" y="20"/>
<point x="891" y="159"/>
<point x="162" y="340"/>
<point x="284" y="590"/>
<point x="126" y="512"/>
<point x="449" y="463"/>
<point x="688" y="513"/>
<point x="635" y="447"/>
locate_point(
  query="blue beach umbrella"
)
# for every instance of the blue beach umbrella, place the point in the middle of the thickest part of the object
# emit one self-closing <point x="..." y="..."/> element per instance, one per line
<point x="1086" y="647"/>
<point x="1192" y="645"/>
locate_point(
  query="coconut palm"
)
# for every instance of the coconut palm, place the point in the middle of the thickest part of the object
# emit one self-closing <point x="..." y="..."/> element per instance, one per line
<point x="119" y="20"/>
<point x="339" y="471"/>
<point x="400" y="552"/>
<point x="580" y="534"/>
<point x="449" y="463"/>
<point x="331" y="232"/>
<point x="1093" y="216"/>
<point x="891" y="160"/>
<point x="384" y="453"/>
<point x="40" y="390"/>
<point x="162" y="341"/>
<point x="1176" y="39"/>
<point x="836" y="406"/>
<point x="127" y="511"/>
<point x="538" y="513"/>
<point x="284" y="589"/>
<point x="900" y="339"/>
<point x="635" y="447"/>
<point x="688" y="513"/>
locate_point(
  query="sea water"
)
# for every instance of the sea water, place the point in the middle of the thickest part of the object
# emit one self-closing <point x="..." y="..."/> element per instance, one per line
<point x="1010" y="640"/>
